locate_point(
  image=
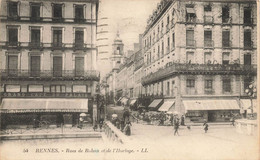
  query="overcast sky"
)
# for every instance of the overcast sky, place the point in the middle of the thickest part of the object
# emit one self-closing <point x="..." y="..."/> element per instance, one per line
<point x="127" y="16"/>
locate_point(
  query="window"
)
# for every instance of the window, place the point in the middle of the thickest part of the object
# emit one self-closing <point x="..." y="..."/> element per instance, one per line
<point x="168" y="45"/>
<point x="225" y="58"/>
<point x="168" y="88"/>
<point x="12" y="65"/>
<point x="80" y="88"/>
<point x="13" y="10"/>
<point x="35" y="88"/>
<point x="158" y="51"/>
<point x="207" y="8"/>
<point x="247" y="81"/>
<point x="57" y="38"/>
<point x="35" y="66"/>
<point x="12" y="88"/>
<point x="247" y="59"/>
<point x="57" y="66"/>
<point x="226" y="38"/>
<point x="247" y="39"/>
<point x="247" y="16"/>
<point x="35" y="12"/>
<point x="79" y="13"/>
<point x="79" y="38"/>
<point x="162" y="48"/>
<point x="208" y="18"/>
<point x="190" y="83"/>
<point x="190" y="57"/>
<point x="208" y="39"/>
<point x="173" y="83"/>
<point x="208" y="84"/>
<point x="190" y="15"/>
<point x="13" y="36"/>
<point x="207" y="58"/>
<point x="35" y="37"/>
<point x="225" y="15"/>
<point x="57" y="12"/>
<point x="173" y="40"/>
<point x="58" y="88"/>
<point x="226" y="85"/>
<point x="79" y="66"/>
<point x="190" y="38"/>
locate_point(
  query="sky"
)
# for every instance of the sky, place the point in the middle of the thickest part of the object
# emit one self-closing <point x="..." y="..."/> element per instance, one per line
<point x="127" y="16"/>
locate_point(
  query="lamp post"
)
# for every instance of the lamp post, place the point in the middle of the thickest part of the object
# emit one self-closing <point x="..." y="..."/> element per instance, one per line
<point x="251" y="92"/>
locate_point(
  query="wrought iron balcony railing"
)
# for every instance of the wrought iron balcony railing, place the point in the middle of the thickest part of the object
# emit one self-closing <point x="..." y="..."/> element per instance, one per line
<point x="190" y="43"/>
<point x="44" y="94"/>
<point x="177" y="68"/>
<point x="40" y="45"/>
<point x="226" y="44"/>
<point x="191" y="19"/>
<point x="66" y="74"/>
<point x="208" y="43"/>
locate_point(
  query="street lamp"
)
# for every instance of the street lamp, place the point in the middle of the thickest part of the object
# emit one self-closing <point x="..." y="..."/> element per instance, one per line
<point x="251" y="92"/>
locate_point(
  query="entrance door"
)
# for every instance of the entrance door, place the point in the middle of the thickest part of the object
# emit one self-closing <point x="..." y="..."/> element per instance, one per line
<point x="211" y="116"/>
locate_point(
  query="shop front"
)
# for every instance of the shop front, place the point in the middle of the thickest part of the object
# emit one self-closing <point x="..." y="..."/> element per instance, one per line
<point x="36" y="112"/>
<point x="211" y="110"/>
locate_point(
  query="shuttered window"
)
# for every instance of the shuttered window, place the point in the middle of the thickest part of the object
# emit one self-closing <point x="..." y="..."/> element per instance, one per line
<point x="13" y="36"/>
<point x="35" y="66"/>
<point x="190" y="37"/>
<point x="247" y="38"/>
<point x="13" y="9"/>
<point x="79" y="38"/>
<point x="57" y="66"/>
<point x="57" y="38"/>
<point x="79" y="66"/>
<point x="12" y="65"/>
<point x="35" y="36"/>
<point x="226" y="38"/>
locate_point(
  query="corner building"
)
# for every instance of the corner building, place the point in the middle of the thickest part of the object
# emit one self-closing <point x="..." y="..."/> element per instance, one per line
<point x="199" y="57"/>
<point x="48" y="61"/>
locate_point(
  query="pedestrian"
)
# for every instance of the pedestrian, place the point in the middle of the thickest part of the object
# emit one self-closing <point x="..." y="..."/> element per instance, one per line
<point x="127" y="128"/>
<point x="118" y="124"/>
<point x="206" y="126"/>
<point x="176" y="127"/>
<point x="122" y="125"/>
<point x="95" y="125"/>
<point x="80" y="122"/>
<point x="232" y="119"/>
<point x="101" y="121"/>
<point x="182" y="120"/>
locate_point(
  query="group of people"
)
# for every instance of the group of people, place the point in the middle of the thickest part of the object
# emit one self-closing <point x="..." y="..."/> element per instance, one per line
<point x="122" y="124"/>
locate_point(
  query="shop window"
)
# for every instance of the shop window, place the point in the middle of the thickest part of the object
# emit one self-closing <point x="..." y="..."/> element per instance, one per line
<point x="226" y="85"/>
<point x="58" y="88"/>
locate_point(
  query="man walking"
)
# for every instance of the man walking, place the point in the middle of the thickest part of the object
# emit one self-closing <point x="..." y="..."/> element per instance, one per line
<point x="176" y="127"/>
<point x="206" y="126"/>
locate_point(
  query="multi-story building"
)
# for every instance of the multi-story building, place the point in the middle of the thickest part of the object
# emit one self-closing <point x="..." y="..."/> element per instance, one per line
<point x="200" y="56"/>
<point x="48" y="61"/>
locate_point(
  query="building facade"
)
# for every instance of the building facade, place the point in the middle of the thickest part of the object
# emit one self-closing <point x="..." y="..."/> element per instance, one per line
<point x="48" y="61"/>
<point x="201" y="56"/>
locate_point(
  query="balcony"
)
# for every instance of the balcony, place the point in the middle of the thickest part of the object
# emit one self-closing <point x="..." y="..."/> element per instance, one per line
<point x="248" y="45"/>
<point x="13" y="18"/>
<point x="79" y="20"/>
<point x="35" y="19"/>
<point x="191" y="20"/>
<point x="208" y="20"/>
<point x="50" y="74"/>
<point x="215" y="69"/>
<point x="41" y="46"/>
<point x="57" y="19"/>
<point x="226" y="20"/>
<point x="208" y="44"/>
<point x="226" y="44"/>
<point x="248" y="21"/>
<point x="190" y="43"/>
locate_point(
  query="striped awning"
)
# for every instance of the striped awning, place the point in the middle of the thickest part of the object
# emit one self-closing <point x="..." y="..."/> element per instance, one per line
<point x="15" y="105"/>
<point x="155" y="103"/>
<point x="166" y="106"/>
<point x="211" y="105"/>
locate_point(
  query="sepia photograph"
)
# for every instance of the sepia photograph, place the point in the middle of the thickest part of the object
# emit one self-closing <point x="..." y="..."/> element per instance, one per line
<point x="129" y="79"/>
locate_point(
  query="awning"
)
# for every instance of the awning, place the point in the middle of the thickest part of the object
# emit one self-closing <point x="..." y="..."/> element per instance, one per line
<point x="190" y="10"/>
<point x="211" y="105"/>
<point x="124" y="100"/>
<point x="132" y="101"/>
<point x="155" y="103"/>
<point x="246" y="104"/>
<point x="166" y="105"/>
<point x="15" y="105"/>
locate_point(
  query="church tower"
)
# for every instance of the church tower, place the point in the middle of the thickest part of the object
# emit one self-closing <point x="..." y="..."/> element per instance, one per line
<point x="117" y="52"/>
